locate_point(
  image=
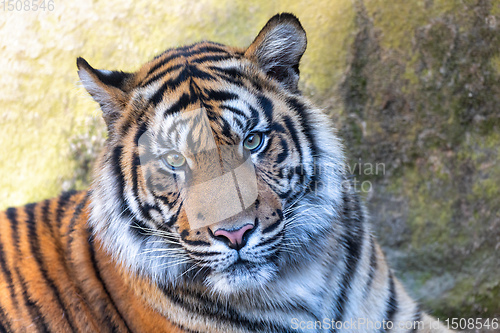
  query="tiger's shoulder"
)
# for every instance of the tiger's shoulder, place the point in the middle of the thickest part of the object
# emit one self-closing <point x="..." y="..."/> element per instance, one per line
<point x="54" y="276"/>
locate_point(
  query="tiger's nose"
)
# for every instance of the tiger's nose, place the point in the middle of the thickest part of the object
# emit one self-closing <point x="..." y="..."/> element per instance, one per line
<point x="235" y="239"/>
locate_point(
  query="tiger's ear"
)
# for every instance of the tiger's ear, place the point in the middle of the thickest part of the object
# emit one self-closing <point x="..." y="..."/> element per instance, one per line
<point x="108" y="88"/>
<point x="278" y="49"/>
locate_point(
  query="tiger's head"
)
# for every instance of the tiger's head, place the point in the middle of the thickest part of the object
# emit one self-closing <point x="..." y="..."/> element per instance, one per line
<point x="216" y="171"/>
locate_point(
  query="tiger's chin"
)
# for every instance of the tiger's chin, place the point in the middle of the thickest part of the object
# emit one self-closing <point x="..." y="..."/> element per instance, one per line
<point x="240" y="277"/>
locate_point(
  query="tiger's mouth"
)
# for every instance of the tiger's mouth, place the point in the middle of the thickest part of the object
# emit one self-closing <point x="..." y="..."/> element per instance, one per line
<point x="241" y="266"/>
<point x="244" y="264"/>
<point x="242" y="276"/>
<point x="242" y="271"/>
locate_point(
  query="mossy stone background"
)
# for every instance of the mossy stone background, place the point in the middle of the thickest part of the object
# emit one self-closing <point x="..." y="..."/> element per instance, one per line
<point x="414" y="85"/>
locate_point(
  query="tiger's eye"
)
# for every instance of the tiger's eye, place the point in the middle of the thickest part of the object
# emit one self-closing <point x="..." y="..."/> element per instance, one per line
<point x="253" y="141"/>
<point x="174" y="159"/>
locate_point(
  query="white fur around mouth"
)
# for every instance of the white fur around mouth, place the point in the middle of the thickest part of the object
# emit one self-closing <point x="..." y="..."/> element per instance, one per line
<point x="241" y="276"/>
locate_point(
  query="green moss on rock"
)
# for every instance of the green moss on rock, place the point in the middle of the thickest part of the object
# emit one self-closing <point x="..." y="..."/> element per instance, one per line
<point x="424" y="88"/>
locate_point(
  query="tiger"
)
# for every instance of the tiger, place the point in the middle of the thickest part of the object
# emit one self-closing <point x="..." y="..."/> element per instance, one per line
<point x="220" y="203"/>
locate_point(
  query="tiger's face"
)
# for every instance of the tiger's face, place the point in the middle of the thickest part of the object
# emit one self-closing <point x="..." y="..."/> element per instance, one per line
<point x="220" y="174"/>
<point x="211" y="163"/>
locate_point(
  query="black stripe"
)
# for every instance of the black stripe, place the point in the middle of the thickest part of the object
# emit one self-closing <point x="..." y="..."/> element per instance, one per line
<point x="262" y="154"/>
<point x="235" y="110"/>
<point x="309" y="132"/>
<point x="45" y="216"/>
<point x="8" y="276"/>
<point x="284" y="152"/>
<point x="229" y="76"/>
<point x="61" y="203"/>
<point x="255" y="116"/>
<point x="161" y="74"/>
<point x="139" y="228"/>
<point x="196" y="243"/>
<point x="295" y="137"/>
<point x="33" y="308"/>
<point x="174" y="217"/>
<point x="196" y="302"/>
<point x="144" y="208"/>
<point x="185" y="234"/>
<point x="294" y="134"/>
<point x="233" y="72"/>
<point x="138" y="115"/>
<point x="392" y="302"/>
<point x="416" y="318"/>
<point x="188" y="72"/>
<point x="239" y="124"/>
<point x="353" y="240"/>
<point x="123" y="206"/>
<point x="113" y="78"/>
<point x="269" y="240"/>
<point x="193" y="49"/>
<point x="267" y="106"/>
<point x="4" y="322"/>
<point x="163" y="199"/>
<point x="11" y="214"/>
<point x="180" y="104"/>
<point x="204" y="254"/>
<point x="211" y="57"/>
<point x="197" y="73"/>
<point x="220" y="95"/>
<point x="141" y="130"/>
<point x="170" y="84"/>
<point x="117" y="168"/>
<point x="176" y="53"/>
<point x="186" y="51"/>
<point x="74" y="218"/>
<point x="98" y="276"/>
<point x="272" y="227"/>
<point x="226" y="131"/>
<point x="276" y="128"/>
<point x="35" y="250"/>
<point x="373" y="266"/>
<point x="212" y="47"/>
